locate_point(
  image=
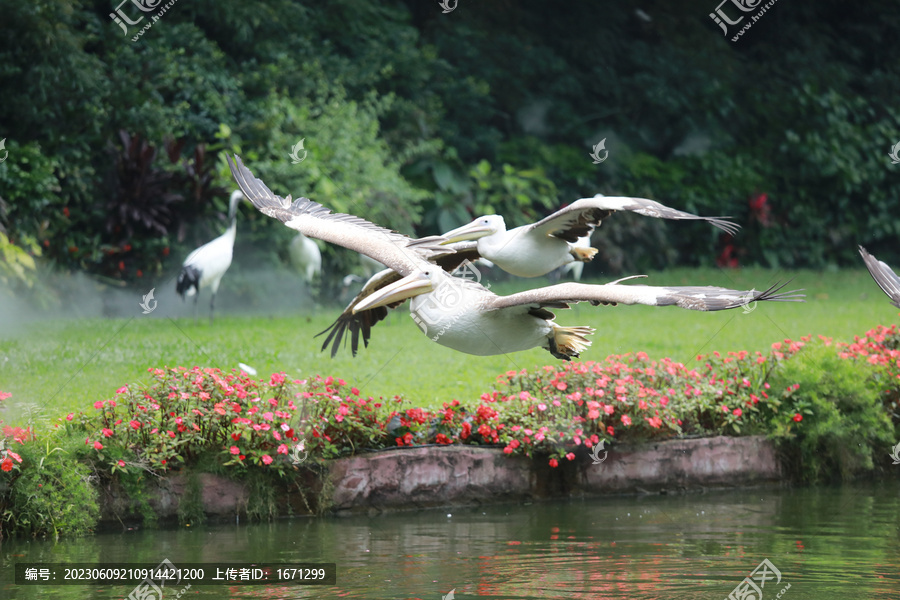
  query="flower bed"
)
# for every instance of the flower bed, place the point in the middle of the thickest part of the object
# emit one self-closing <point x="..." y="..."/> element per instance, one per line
<point x="829" y="405"/>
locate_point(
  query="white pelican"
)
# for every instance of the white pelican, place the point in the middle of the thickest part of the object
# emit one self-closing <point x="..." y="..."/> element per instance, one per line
<point x="536" y="249"/>
<point x="205" y="266"/>
<point x="883" y="275"/>
<point x="460" y="313"/>
<point x="306" y="257"/>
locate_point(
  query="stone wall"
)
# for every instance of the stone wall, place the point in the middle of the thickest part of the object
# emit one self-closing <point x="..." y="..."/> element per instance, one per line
<point x="455" y="475"/>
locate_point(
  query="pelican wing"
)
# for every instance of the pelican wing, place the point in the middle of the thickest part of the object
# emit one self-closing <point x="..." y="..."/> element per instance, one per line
<point x="579" y="218"/>
<point x="883" y="275"/>
<point x="390" y="248"/>
<point x="361" y="322"/>
<point x="689" y="297"/>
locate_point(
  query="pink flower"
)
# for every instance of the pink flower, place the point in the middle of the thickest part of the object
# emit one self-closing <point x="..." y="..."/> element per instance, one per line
<point x="5" y="395"/>
<point x="121" y="463"/>
<point x="107" y="432"/>
<point x="267" y="459"/>
<point x="626" y="420"/>
<point x="70" y="416"/>
<point x="542" y="406"/>
<point x="135" y="424"/>
<point x="508" y="450"/>
<point x="737" y="412"/>
<point x="570" y="456"/>
<point x="268" y="416"/>
<point x="122" y="390"/>
<point x="282" y="449"/>
<point x="98" y="446"/>
<point x="234" y="450"/>
<point x="98" y="404"/>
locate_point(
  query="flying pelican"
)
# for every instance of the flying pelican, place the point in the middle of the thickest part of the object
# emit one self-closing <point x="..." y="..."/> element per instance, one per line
<point x="205" y="266"/>
<point x="536" y="249"/>
<point x="883" y="275"/>
<point x="306" y="257"/>
<point x="457" y="312"/>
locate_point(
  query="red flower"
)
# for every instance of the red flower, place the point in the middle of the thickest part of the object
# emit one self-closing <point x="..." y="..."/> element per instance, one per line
<point x="98" y="446"/>
<point x="737" y="412"/>
<point x="234" y="450"/>
<point x="121" y="463"/>
<point x="6" y="465"/>
<point x="554" y="463"/>
<point x="570" y="456"/>
<point x="798" y="417"/>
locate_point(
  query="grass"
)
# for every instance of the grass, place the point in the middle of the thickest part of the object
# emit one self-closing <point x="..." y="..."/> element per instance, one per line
<point x="57" y="366"/>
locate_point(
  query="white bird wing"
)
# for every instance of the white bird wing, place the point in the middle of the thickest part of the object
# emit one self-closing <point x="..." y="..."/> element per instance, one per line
<point x="688" y="297"/>
<point x="394" y="250"/>
<point x="579" y="218"/>
<point x="883" y="275"/>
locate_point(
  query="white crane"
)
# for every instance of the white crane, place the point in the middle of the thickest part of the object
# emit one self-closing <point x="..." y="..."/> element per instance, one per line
<point x="536" y="249"/>
<point x="460" y="313"/>
<point x="205" y="266"/>
<point x="306" y="257"/>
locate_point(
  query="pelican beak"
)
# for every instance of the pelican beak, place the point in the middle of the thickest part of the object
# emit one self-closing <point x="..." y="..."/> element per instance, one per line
<point x="472" y="231"/>
<point x="409" y="286"/>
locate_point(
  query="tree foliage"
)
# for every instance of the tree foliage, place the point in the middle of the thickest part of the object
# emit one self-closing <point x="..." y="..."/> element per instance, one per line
<point x="420" y="120"/>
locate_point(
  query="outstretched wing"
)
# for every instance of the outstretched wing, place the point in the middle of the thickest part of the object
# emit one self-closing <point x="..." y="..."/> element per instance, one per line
<point x="689" y="297"/>
<point x="397" y="251"/>
<point x="883" y="275"/>
<point x="361" y="322"/>
<point x="579" y="218"/>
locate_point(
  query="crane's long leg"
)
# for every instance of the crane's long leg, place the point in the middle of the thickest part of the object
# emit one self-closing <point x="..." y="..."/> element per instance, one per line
<point x="212" y="305"/>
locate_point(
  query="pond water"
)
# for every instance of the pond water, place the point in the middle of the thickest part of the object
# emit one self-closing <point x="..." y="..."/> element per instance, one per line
<point x="827" y="543"/>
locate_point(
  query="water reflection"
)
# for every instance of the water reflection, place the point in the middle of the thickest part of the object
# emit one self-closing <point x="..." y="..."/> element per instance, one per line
<point x="827" y="542"/>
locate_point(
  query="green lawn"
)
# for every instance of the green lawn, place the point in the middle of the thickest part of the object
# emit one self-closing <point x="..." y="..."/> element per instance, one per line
<point x="65" y="365"/>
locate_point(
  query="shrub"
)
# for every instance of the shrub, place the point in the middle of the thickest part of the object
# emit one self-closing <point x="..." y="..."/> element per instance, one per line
<point x="50" y="493"/>
<point x="830" y="419"/>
